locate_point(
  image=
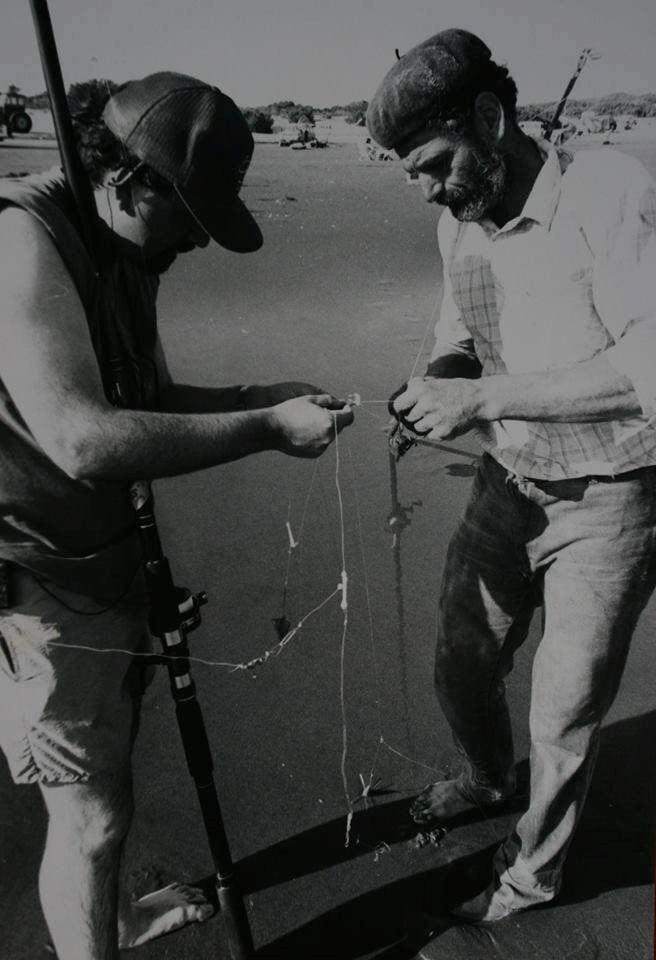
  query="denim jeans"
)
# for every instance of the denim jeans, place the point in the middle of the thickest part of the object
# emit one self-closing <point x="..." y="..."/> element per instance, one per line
<point x="589" y="546"/>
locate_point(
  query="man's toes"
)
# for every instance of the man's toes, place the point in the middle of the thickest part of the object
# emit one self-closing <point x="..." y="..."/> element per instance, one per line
<point x="421" y="807"/>
<point x="199" y="912"/>
<point x="421" y="814"/>
<point x="191" y="894"/>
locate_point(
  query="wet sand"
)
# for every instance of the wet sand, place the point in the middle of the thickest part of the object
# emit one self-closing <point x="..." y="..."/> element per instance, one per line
<point x="341" y="295"/>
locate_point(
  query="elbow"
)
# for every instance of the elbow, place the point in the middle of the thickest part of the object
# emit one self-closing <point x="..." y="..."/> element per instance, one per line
<point x="79" y="451"/>
<point x="77" y="458"/>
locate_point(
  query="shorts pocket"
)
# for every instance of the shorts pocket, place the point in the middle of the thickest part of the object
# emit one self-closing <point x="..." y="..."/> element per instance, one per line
<point x="7" y="658"/>
<point x="24" y="647"/>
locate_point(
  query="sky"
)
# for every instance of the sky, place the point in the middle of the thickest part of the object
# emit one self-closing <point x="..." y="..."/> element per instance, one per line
<point x="326" y="52"/>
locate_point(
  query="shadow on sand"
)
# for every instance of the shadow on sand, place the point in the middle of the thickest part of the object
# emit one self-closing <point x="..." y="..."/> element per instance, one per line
<point x="612" y="849"/>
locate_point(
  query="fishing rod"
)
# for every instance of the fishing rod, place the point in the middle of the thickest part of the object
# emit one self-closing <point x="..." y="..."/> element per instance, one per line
<point x="173" y="612"/>
<point x="588" y="53"/>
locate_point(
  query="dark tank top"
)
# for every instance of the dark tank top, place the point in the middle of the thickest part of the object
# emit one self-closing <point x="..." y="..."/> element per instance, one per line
<point x="79" y="534"/>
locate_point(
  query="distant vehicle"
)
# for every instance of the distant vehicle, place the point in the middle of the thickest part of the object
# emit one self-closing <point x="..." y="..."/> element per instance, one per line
<point x="13" y="113"/>
<point x="304" y="137"/>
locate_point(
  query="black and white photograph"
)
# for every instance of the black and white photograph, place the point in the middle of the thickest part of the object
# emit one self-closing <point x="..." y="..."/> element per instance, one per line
<point x="327" y="480"/>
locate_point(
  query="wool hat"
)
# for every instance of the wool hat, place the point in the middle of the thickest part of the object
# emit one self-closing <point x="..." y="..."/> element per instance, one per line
<point x="194" y="136"/>
<point x="427" y="84"/>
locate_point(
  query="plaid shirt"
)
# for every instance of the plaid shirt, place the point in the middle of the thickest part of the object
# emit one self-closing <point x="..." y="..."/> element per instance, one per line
<point x="573" y="275"/>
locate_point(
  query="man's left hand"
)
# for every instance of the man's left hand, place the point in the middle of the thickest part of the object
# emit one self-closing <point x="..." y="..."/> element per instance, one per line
<point x="269" y="395"/>
<point x="439" y="409"/>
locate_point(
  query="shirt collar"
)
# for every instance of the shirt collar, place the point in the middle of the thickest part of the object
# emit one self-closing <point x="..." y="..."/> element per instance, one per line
<point x="542" y="201"/>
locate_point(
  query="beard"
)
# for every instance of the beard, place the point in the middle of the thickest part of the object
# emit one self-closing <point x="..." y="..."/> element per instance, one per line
<point x="486" y="181"/>
<point x="160" y="262"/>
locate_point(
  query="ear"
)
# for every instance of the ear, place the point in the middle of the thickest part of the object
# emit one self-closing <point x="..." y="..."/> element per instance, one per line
<point x="489" y="117"/>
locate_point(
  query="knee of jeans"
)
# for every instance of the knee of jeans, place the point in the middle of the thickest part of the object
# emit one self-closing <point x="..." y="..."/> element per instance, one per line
<point x="465" y="658"/>
<point x="456" y="668"/>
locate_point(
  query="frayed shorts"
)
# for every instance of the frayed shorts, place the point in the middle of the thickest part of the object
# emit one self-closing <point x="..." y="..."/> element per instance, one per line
<point x="67" y="714"/>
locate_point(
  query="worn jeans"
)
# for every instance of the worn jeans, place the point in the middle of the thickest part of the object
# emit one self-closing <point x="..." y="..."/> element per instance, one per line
<point x="589" y="545"/>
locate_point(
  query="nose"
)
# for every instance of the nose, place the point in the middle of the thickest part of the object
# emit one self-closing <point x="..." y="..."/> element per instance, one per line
<point x="432" y="187"/>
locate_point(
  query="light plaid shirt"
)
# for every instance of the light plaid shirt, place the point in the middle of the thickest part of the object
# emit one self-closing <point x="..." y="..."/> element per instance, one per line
<point x="573" y="275"/>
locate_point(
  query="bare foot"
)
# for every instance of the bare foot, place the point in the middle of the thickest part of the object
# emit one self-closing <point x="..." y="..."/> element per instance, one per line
<point x="449" y="798"/>
<point x="161" y="912"/>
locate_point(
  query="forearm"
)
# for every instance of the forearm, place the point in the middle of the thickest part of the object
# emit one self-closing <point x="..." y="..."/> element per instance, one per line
<point x="131" y="444"/>
<point x="182" y="398"/>
<point x="588" y="391"/>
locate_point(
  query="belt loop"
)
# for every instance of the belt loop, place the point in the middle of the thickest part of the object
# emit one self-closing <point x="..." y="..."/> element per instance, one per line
<point x="6" y="585"/>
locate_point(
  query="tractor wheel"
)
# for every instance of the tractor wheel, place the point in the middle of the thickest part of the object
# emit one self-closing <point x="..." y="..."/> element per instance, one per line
<point x="21" y="123"/>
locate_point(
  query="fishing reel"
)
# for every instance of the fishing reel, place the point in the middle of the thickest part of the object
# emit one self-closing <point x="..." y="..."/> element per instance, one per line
<point x="189" y="605"/>
<point x="399" y="440"/>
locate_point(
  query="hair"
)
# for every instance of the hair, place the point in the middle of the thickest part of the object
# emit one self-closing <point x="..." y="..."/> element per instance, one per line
<point x="489" y="77"/>
<point x="100" y="151"/>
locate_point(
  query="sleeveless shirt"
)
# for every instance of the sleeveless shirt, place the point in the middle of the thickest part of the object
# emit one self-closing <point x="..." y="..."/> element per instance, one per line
<point x="79" y="534"/>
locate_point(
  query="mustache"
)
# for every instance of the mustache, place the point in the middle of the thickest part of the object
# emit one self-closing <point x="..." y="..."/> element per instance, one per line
<point x="485" y="168"/>
<point x="485" y="186"/>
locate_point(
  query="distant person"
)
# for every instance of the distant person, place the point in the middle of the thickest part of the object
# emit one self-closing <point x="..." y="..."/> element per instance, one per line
<point x="545" y="349"/>
<point x="167" y="156"/>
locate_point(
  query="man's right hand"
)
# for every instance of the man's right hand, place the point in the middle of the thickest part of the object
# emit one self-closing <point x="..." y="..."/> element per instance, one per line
<point x="306" y="426"/>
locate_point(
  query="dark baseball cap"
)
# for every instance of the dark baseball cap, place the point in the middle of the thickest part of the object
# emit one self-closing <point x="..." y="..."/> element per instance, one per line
<point x="427" y="84"/>
<point x="194" y="136"/>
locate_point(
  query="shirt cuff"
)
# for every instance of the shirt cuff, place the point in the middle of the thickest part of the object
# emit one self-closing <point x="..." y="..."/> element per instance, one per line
<point x="633" y="357"/>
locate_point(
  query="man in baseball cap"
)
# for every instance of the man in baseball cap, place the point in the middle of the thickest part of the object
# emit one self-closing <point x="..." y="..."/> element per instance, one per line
<point x="87" y="404"/>
<point x="544" y="348"/>
<point x="194" y="137"/>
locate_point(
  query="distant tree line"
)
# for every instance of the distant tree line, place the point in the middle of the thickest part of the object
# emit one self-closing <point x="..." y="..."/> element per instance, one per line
<point x="643" y="105"/>
<point x="260" y="119"/>
<point x="355" y="112"/>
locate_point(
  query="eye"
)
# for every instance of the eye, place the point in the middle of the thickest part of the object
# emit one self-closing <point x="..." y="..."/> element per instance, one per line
<point x="440" y="164"/>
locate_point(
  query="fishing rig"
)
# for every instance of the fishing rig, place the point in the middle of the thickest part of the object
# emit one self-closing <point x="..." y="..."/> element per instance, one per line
<point x="174" y="611"/>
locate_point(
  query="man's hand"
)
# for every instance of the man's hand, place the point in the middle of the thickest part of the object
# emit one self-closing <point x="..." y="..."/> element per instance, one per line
<point x="306" y="425"/>
<point x="256" y="396"/>
<point x="439" y="409"/>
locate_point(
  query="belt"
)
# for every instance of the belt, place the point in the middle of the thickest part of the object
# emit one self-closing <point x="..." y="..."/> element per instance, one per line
<point x="588" y="478"/>
<point x="601" y="477"/>
<point x="620" y="477"/>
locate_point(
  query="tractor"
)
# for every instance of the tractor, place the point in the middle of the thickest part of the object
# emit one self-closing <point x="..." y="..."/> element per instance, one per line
<point x="13" y="113"/>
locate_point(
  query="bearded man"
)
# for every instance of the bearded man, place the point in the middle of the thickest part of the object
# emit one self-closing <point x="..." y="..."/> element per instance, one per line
<point x="544" y="348"/>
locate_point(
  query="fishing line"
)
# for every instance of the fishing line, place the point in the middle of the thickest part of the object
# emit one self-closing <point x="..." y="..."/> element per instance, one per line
<point x="282" y="623"/>
<point x="166" y="658"/>
<point x="343" y="588"/>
